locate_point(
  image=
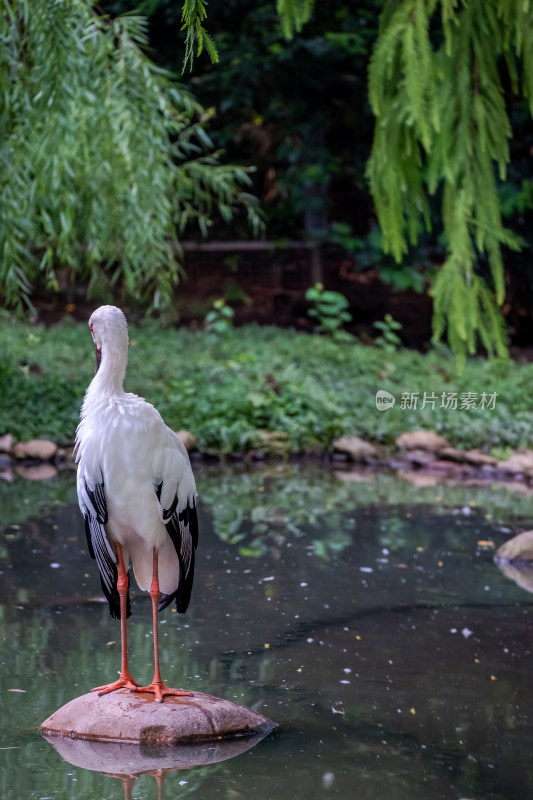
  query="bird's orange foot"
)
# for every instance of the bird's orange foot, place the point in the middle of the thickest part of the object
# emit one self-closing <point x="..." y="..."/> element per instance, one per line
<point x="125" y="681"/>
<point x="161" y="690"/>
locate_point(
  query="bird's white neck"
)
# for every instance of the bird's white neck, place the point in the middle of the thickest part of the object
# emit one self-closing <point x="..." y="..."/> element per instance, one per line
<point x="109" y="380"/>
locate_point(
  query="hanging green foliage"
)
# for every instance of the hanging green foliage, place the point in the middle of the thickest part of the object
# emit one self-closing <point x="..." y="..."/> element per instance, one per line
<point x="293" y="15"/>
<point x="104" y="157"/>
<point x="193" y="16"/>
<point x="442" y="125"/>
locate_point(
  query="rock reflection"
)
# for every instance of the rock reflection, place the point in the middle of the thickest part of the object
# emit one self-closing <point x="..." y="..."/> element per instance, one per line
<point x="128" y="762"/>
<point x="521" y="574"/>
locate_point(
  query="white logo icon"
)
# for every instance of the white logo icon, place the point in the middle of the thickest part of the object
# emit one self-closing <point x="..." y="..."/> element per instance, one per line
<point x="384" y="400"/>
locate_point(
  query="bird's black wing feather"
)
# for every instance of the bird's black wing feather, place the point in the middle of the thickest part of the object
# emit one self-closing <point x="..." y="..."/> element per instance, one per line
<point x="182" y="527"/>
<point x="95" y="513"/>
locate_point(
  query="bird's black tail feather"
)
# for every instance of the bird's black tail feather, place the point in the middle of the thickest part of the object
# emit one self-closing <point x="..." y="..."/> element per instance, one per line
<point x="182" y="593"/>
<point x="182" y="528"/>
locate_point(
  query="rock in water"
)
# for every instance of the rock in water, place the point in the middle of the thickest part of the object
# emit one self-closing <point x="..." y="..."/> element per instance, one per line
<point x="422" y="440"/>
<point x="36" y="448"/>
<point x="515" y="559"/>
<point x="136" y="718"/>
<point x="6" y="443"/>
<point x="520" y="462"/>
<point x="355" y="448"/>
<point x="519" y="548"/>
<point x="186" y="438"/>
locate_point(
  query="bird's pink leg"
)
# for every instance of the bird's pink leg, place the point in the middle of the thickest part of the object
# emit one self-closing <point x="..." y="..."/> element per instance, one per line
<point x="157" y="686"/>
<point x="125" y="679"/>
<point x="127" y="780"/>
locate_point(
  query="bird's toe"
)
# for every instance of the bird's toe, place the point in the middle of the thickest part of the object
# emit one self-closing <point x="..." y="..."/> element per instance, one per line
<point x="161" y="691"/>
<point x="124" y="682"/>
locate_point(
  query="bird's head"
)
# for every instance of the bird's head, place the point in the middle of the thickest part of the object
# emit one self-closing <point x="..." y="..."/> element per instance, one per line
<point x="109" y="329"/>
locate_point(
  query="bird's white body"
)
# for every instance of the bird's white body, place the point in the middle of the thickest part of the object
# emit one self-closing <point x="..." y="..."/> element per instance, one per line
<point x="123" y="442"/>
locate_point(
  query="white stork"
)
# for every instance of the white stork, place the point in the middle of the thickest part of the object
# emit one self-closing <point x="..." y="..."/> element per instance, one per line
<point x="136" y="491"/>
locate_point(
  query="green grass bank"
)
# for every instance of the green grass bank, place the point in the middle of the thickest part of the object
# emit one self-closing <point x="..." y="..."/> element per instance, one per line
<point x="228" y="391"/>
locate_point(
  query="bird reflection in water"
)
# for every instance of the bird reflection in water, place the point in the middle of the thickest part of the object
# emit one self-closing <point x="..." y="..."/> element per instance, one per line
<point x="129" y="780"/>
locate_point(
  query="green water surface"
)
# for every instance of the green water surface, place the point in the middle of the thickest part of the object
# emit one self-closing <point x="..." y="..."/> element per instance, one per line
<point x="362" y="613"/>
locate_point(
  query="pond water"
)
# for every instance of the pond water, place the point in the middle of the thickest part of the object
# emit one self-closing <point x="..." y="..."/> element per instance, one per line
<point x="363" y="613"/>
